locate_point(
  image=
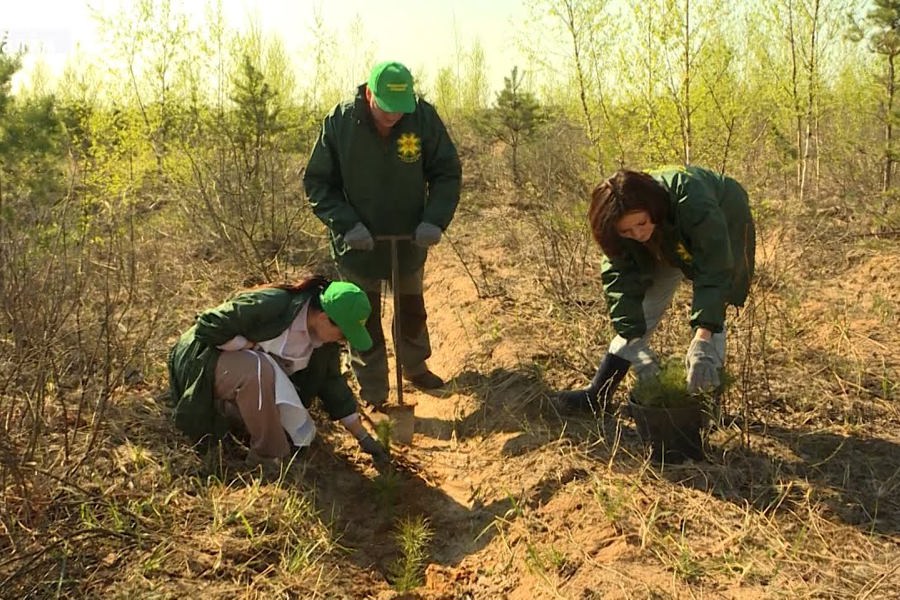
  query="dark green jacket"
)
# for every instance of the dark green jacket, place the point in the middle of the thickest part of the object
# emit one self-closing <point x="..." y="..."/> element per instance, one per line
<point x="708" y="234"/>
<point x="258" y="315"/>
<point x="390" y="185"/>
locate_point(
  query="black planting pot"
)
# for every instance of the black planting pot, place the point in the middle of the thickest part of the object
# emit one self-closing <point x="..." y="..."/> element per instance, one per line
<point x="673" y="434"/>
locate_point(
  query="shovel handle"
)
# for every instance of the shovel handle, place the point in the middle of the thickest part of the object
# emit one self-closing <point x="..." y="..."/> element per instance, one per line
<point x="395" y="289"/>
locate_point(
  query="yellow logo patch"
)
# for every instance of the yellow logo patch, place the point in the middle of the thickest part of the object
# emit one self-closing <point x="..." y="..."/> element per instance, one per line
<point x="409" y="147"/>
<point x="683" y="253"/>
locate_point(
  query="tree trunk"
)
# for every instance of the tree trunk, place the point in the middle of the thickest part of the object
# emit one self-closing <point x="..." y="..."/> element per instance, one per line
<point x="572" y="26"/>
<point x="889" y="127"/>
<point x="795" y="97"/>
<point x="686" y="84"/>
<point x="811" y="99"/>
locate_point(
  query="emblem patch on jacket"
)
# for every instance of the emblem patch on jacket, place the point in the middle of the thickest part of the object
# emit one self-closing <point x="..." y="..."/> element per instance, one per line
<point x="409" y="147"/>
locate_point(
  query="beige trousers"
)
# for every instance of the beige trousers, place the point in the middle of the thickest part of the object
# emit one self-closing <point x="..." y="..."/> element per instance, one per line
<point x="244" y="390"/>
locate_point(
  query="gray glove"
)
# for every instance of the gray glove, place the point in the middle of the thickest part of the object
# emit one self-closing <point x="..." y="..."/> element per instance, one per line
<point x="373" y="447"/>
<point x="702" y="367"/>
<point x="427" y="235"/>
<point x="359" y="238"/>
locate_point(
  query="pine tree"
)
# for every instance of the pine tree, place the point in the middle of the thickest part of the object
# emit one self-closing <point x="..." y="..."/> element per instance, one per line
<point x="30" y="140"/>
<point x="515" y="118"/>
<point x="881" y="30"/>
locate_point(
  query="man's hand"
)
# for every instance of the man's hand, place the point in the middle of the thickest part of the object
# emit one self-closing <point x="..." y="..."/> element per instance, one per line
<point x="359" y="238"/>
<point x="427" y="235"/>
<point x="701" y="366"/>
<point x="373" y="447"/>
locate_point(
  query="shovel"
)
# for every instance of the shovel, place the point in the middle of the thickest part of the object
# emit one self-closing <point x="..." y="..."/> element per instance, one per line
<point x="403" y="416"/>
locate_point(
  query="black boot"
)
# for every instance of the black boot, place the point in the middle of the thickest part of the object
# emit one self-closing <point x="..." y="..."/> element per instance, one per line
<point x="597" y="396"/>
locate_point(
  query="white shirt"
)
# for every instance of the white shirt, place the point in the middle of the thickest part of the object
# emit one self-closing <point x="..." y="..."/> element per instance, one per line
<point x="293" y="347"/>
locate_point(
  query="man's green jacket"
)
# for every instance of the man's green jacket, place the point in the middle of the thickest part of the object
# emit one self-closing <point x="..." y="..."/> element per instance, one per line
<point x="390" y="185"/>
<point x="258" y="315"/>
<point x="708" y="234"/>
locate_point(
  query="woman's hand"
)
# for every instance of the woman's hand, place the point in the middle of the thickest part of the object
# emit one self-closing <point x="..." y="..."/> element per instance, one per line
<point x="373" y="448"/>
<point x="700" y="363"/>
<point x="236" y="343"/>
<point x="366" y="442"/>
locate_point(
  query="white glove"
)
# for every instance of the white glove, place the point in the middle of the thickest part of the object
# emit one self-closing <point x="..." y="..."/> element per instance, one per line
<point x="359" y="238"/>
<point x="427" y="235"/>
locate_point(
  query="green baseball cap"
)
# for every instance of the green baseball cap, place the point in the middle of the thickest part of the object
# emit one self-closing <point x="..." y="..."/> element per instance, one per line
<point x="392" y="85"/>
<point x="348" y="307"/>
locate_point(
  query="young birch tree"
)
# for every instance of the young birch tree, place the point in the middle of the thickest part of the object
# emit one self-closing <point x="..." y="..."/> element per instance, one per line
<point x="150" y="36"/>
<point x="475" y="83"/>
<point x="588" y="35"/>
<point x="690" y="48"/>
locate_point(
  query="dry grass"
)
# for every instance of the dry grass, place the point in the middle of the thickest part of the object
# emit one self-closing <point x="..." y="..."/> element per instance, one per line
<point x="811" y="456"/>
<point x="797" y="500"/>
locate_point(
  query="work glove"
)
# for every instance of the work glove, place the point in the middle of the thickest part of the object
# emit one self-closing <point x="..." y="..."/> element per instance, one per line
<point x="359" y="238"/>
<point x="373" y="447"/>
<point x="701" y="367"/>
<point x="427" y="235"/>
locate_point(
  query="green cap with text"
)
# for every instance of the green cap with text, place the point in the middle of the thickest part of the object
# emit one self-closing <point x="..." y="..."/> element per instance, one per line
<point x="392" y="85"/>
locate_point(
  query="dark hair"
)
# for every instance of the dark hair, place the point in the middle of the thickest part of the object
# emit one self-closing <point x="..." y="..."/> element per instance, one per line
<point x="318" y="282"/>
<point x="623" y="193"/>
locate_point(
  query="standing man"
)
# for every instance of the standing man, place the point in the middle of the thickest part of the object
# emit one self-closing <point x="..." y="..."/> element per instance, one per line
<point x="385" y="165"/>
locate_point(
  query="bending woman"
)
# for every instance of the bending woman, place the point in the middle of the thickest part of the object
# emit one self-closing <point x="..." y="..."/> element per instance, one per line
<point x="655" y="229"/>
<point x="258" y="360"/>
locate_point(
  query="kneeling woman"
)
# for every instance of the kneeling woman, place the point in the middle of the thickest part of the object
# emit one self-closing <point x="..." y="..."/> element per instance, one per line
<point x="258" y="360"/>
<point x="656" y="229"/>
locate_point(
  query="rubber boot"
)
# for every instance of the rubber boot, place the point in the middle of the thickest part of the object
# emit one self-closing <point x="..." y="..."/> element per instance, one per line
<point x="598" y="395"/>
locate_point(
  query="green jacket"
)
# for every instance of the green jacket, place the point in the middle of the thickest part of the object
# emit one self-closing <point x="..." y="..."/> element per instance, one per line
<point x="390" y="185"/>
<point x="708" y="234"/>
<point x="258" y="315"/>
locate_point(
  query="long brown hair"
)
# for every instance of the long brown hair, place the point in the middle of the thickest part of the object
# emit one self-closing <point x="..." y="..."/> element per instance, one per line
<point x="625" y="192"/>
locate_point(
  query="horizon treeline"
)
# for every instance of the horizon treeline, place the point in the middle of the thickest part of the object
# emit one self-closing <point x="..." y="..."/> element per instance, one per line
<point x="790" y="94"/>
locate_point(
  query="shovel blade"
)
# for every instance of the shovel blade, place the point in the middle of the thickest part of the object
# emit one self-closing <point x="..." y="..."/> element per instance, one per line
<point x="403" y="422"/>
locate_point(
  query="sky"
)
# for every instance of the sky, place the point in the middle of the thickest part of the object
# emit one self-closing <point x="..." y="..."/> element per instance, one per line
<point x="423" y="34"/>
